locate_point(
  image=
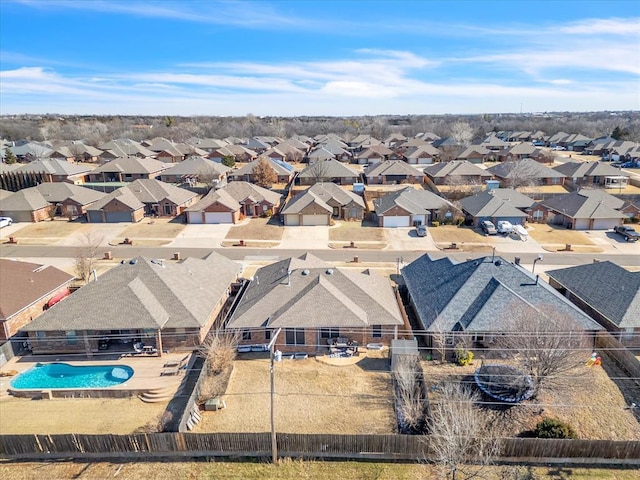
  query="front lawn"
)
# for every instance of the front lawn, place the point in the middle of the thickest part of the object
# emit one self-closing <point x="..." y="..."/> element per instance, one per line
<point x="453" y="233"/>
<point x="546" y="234"/>
<point x="356" y="232"/>
<point x="257" y="229"/>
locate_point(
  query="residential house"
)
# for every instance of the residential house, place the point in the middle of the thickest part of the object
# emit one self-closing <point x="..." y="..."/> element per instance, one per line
<point x="586" y="174"/>
<point x="169" y="305"/>
<point x="458" y="172"/>
<point x="238" y="152"/>
<point x="26" y="205"/>
<point x="476" y="154"/>
<point x="284" y="171"/>
<point x="477" y="299"/>
<point x="585" y="209"/>
<point x="30" y="151"/>
<point x="526" y="172"/>
<point x="327" y="171"/>
<point x="489" y="206"/>
<point x="227" y="204"/>
<point x="137" y="199"/>
<point x="360" y="308"/>
<point x="606" y="292"/>
<point x="421" y="155"/>
<point x="55" y="170"/>
<point x="27" y="289"/>
<point x="523" y="151"/>
<point x="209" y="145"/>
<point x="196" y="170"/>
<point x="449" y="148"/>
<point x="122" y="148"/>
<point x="127" y="169"/>
<point x="319" y="203"/>
<point x="392" y="172"/>
<point x="409" y="206"/>
<point x="374" y="154"/>
<point x="328" y="151"/>
<point x="65" y="199"/>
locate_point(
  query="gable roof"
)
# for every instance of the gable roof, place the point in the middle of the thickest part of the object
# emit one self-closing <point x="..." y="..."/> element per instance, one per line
<point x="24" y="283"/>
<point x="421" y="151"/>
<point x="455" y="167"/>
<point x="281" y="168"/>
<point x="607" y="288"/>
<point x="392" y="167"/>
<point x="586" y="203"/>
<point x="53" y="167"/>
<point x="328" y="169"/>
<point x="287" y="294"/>
<point x="588" y="169"/>
<point x="513" y="197"/>
<point x="466" y="296"/>
<point x="484" y="204"/>
<point x="26" y="200"/>
<point x="131" y="165"/>
<point x="321" y="194"/>
<point x="412" y="200"/>
<point x="532" y="169"/>
<point x="197" y="165"/>
<point x="150" y="294"/>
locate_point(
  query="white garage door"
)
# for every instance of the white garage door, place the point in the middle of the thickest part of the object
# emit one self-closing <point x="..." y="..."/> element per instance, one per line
<point x="581" y="224"/>
<point x="292" y="220"/>
<point x="604" y="223"/>
<point x="194" y="217"/>
<point x="315" y="220"/>
<point x="217" y="217"/>
<point x="396" y="221"/>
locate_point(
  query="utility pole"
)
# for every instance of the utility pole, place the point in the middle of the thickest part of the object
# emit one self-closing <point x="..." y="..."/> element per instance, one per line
<point x="274" y="442"/>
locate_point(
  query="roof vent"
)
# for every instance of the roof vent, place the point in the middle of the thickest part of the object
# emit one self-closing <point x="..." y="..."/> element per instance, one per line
<point x="305" y="272"/>
<point x="498" y="263"/>
<point x="133" y="261"/>
<point x="329" y="271"/>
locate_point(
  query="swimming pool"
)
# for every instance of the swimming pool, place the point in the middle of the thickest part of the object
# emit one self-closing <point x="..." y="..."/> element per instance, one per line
<point x="63" y="375"/>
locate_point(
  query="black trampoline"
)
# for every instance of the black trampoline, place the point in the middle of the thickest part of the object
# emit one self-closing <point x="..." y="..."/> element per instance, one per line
<point x="504" y="383"/>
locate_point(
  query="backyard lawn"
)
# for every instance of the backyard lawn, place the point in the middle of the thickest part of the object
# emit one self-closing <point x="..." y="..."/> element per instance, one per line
<point x="311" y="397"/>
<point x="257" y="229"/>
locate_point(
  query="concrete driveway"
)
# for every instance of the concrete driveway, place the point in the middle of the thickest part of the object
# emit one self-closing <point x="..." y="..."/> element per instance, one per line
<point x="405" y="238"/>
<point x="312" y="238"/>
<point x="612" y="242"/>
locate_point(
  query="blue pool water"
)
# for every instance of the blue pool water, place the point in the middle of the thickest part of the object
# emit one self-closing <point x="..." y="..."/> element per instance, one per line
<point x="63" y="375"/>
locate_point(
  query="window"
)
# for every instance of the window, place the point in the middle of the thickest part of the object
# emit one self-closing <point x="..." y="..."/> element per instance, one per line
<point x="72" y="338"/>
<point x="329" y="332"/>
<point x="267" y="334"/>
<point x="377" y="331"/>
<point x="294" y="336"/>
<point x="538" y="215"/>
<point x="41" y="335"/>
<point x="246" y="334"/>
<point x="167" y="209"/>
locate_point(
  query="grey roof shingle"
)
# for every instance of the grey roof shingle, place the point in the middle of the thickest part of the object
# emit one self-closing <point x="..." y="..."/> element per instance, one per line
<point x="53" y="167"/>
<point x="147" y="294"/>
<point x="392" y="167"/>
<point x="607" y="287"/>
<point x="131" y="165"/>
<point x="197" y="165"/>
<point x="146" y="190"/>
<point x="324" y="194"/>
<point x="328" y="169"/>
<point x="347" y="299"/>
<point x="414" y="201"/>
<point x="477" y="294"/>
<point x="588" y="169"/>
<point x="531" y="168"/>
<point x="586" y="204"/>
<point x="485" y="204"/>
<point x="455" y="167"/>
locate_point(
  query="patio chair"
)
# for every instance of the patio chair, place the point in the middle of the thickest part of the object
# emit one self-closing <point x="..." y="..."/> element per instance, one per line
<point x="176" y="363"/>
<point x="170" y="371"/>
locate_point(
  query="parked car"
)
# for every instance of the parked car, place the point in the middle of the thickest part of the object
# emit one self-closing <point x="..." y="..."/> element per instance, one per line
<point x="421" y="230"/>
<point x="629" y="233"/>
<point x="5" y="221"/>
<point x="630" y="165"/>
<point x="558" y="148"/>
<point x="504" y="227"/>
<point x="488" y="227"/>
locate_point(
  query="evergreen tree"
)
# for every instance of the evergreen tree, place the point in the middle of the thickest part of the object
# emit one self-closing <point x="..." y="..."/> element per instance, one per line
<point x="10" y="157"/>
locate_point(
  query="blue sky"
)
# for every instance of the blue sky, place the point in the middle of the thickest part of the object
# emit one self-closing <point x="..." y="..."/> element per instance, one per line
<point x="317" y="58"/>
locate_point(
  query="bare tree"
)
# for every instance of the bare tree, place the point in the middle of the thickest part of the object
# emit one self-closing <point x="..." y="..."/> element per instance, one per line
<point x="461" y="433"/>
<point x="440" y="338"/>
<point x="459" y="186"/>
<point x="219" y="351"/>
<point x="522" y="174"/>
<point x="318" y="171"/>
<point x="410" y="395"/>
<point x="263" y="174"/>
<point x="462" y="133"/>
<point x="294" y="155"/>
<point x="548" y="344"/>
<point x="86" y="257"/>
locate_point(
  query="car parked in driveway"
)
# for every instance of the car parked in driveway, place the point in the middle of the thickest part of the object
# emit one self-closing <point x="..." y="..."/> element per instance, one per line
<point x="5" y="221"/>
<point x="488" y="227"/>
<point x="421" y="230"/>
<point x="629" y="233"/>
<point x="504" y="227"/>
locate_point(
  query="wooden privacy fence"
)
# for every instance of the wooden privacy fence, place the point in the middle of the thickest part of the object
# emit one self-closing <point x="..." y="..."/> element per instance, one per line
<point x="621" y="355"/>
<point x="251" y="445"/>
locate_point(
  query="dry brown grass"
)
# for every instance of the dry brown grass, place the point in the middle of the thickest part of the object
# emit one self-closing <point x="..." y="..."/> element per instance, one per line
<point x="285" y="470"/>
<point x="358" y="245"/>
<point x="452" y="233"/>
<point x="356" y="232"/>
<point x="546" y="234"/>
<point x="311" y="397"/>
<point x="589" y="401"/>
<point x="82" y="415"/>
<point x="158" y="228"/>
<point x="257" y="229"/>
<point x="53" y="229"/>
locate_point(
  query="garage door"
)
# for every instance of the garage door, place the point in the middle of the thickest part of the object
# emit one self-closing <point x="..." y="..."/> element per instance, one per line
<point x="292" y="220"/>
<point x="194" y="217"/>
<point x="217" y="217"/>
<point x="315" y="220"/>
<point x="117" y="217"/>
<point x="396" y="221"/>
<point x="604" y="223"/>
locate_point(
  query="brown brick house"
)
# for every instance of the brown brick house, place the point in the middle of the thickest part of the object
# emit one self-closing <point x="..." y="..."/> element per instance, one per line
<point x="314" y="304"/>
<point x="25" y="289"/>
<point x="165" y="304"/>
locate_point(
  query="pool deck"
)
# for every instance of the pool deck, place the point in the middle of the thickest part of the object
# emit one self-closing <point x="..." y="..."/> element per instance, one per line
<point x="147" y="375"/>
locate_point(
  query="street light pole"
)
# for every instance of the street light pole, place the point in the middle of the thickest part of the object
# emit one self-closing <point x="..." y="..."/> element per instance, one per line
<point x="535" y="260"/>
<point x="274" y="442"/>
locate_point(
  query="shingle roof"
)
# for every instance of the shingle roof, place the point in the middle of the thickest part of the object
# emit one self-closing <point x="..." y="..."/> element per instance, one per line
<point x="197" y="165"/>
<point x="27" y="200"/>
<point x="348" y="299"/>
<point x="328" y="169"/>
<point x="131" y="165"/>
<point x="58" y="192"/>
<point x="53" y="167"/>
<point x="146" y="294"/>
<point x="607" y="287"/>
<point x="322" y="194"/>
<point x="485" y="204"/>
<point x="23" y="283"/>
<point x="411" y="200"/>
<point x="512" y="196"/>
<point x="148" y="190"/>
<point x="457" y="168"/>
<point x="476" y="295"/>
<point x="392" y="167"/>
<point x="281" y="168"/>
<point x="586" y="204"/>
<point x="532" y="169"/>
<point x="587" y="169"/>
